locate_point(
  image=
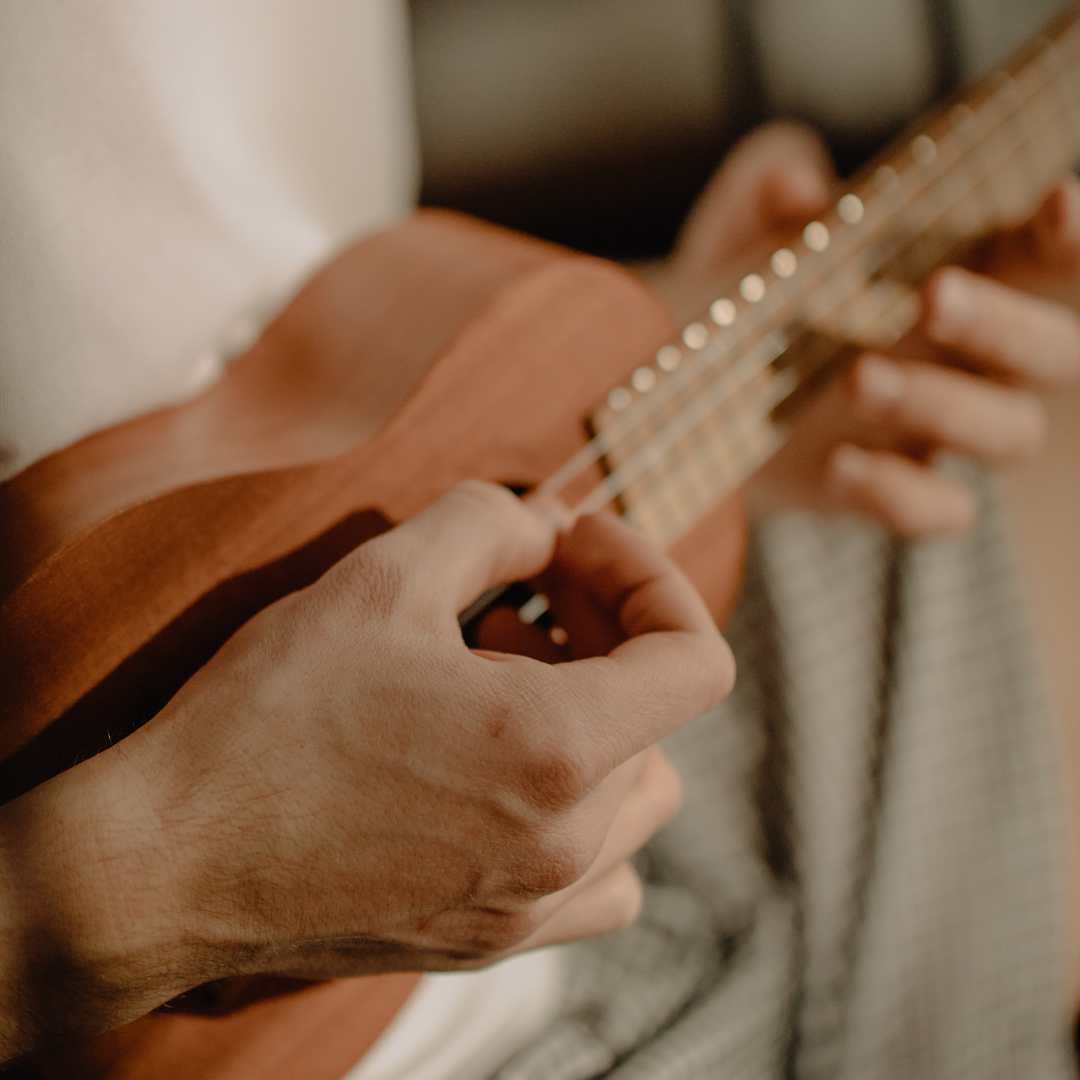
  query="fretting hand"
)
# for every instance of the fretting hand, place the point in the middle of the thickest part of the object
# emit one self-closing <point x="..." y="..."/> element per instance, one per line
<point x="965" y="380"/>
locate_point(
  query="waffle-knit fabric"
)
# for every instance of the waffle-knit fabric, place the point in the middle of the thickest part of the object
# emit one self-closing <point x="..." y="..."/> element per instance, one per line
<point x="867" y="878"/>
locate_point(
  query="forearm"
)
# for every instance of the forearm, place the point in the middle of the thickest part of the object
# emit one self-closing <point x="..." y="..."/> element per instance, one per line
<point x="91" y="933"/>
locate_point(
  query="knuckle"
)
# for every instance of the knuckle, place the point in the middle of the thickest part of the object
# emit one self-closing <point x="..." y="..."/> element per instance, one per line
<point x="879" y="387"/>
<point x="479" y="498"/>
<point x="555" y="864"/>
<point x="555" y="778"/>
<point x="904" y="517"/>
<point x="552" y="770"/>
<point x="627" y="900"/>
<point x="491" y="933"/>
<point x="665" y="789"/>
<point x="375" y="579"/>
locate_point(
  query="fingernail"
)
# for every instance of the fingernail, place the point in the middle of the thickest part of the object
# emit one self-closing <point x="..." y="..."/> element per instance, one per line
<point x="552" y="510"/>
<point x="849" y="463"/>
<point x="955" y="307"/>
<point x="881" y="380"/>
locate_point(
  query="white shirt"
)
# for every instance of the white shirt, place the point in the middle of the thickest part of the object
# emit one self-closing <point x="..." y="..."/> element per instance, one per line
<point x="464" y="1025"/>
<point x="170" y="172"/>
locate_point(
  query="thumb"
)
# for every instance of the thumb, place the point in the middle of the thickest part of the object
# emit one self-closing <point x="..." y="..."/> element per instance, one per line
<point x="476" y="536"/>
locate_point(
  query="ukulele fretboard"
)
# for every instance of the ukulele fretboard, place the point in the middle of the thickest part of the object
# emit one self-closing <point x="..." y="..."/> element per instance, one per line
<point x="710" y="408"/>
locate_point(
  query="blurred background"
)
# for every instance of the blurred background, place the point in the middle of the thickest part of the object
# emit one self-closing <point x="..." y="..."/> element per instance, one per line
<point x="595" y="123"/>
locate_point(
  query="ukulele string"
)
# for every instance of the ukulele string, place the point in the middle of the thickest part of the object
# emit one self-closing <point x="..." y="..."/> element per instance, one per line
<point x="738" y="373"/>
<point x="603" y="443"/>
<point x="697" y="363"/>
<point x="763" y="408"/>
<point x="700" y="361"/>
<point x="748" y="420"/>
<point x="703" y="408"/>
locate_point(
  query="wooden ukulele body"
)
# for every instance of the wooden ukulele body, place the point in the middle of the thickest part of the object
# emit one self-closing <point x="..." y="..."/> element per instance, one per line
<point x="439" y="350"/>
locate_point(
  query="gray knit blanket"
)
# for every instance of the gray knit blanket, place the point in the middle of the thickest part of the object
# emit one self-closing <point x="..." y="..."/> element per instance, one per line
<point x="867" y="879"/>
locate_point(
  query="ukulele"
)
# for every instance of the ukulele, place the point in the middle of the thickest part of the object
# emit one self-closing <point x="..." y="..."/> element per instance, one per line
<point x="438" y="350"/>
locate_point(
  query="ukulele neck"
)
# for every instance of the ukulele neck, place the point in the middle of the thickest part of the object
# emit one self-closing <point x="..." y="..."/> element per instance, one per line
<point x="710" y="408"/>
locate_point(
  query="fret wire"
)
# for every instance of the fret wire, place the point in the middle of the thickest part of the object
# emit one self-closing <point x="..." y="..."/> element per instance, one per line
<point x="1041" y="102"/>
<point x="837" y="274"/>
<point x="957" y="187"/>
<point x="753" y="418"/>
<point x="679" y="448"/>
<point x="1021" y="174"/>
<point x="1060" y="105"/>
<point x="1026" y="133"/>
<point x="1062" y="88"/>
<point x="984" y="193"/>
<point x="695" y="458"/>
<point x="746" y="459"/>
<point x="996" y="153"/>
<point x="992" y="127"/>
<point x="635" y="500"/>
<point x="675" y="506"/>
<point x="690" y="501"/>
<point x="681" y="503"/>
<point x="741" y="416"/>
<point x="697" y="364"/>
<point x="1053" y="56"/>
<point x="757" y="399"/>
<point x="641" y="436"/>
<point x="1045" y="153"/>
<point x="711" y="437"/>
<point x="689" y="509"/>
<point x="750" y="418"/>
<point x="596" y="449"/>
<point x="641" y="463"/>
<point x="736" y="376"/>
<point x="733" y="413"/>
<point x="691" y="453"/>
<point x="954" y="200"/>
<point x="676" y="496"/>
<point x="717" y="447"/>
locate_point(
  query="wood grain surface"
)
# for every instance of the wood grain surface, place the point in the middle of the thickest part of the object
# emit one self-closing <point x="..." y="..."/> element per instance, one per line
<point x="440" y="350"/>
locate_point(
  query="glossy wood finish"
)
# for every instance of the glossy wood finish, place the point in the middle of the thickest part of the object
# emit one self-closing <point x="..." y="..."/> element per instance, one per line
<point x="151" y="553"/>
<point x="317" y="1033"/>
<point x="440" y="350"/>
<point x="324" y="377"/>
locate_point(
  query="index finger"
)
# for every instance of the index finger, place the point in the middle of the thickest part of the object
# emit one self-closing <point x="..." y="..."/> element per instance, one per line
<point x="674" y="666"/>
<point x="999" y="330"/>
<point x="475" y="536"/>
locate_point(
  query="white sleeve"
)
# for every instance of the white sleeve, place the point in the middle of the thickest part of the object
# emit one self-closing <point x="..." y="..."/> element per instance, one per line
<point x="170" y="172"/>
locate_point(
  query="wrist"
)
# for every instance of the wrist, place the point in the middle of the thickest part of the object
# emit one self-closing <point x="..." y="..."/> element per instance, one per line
<point x="93" y="923"/>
